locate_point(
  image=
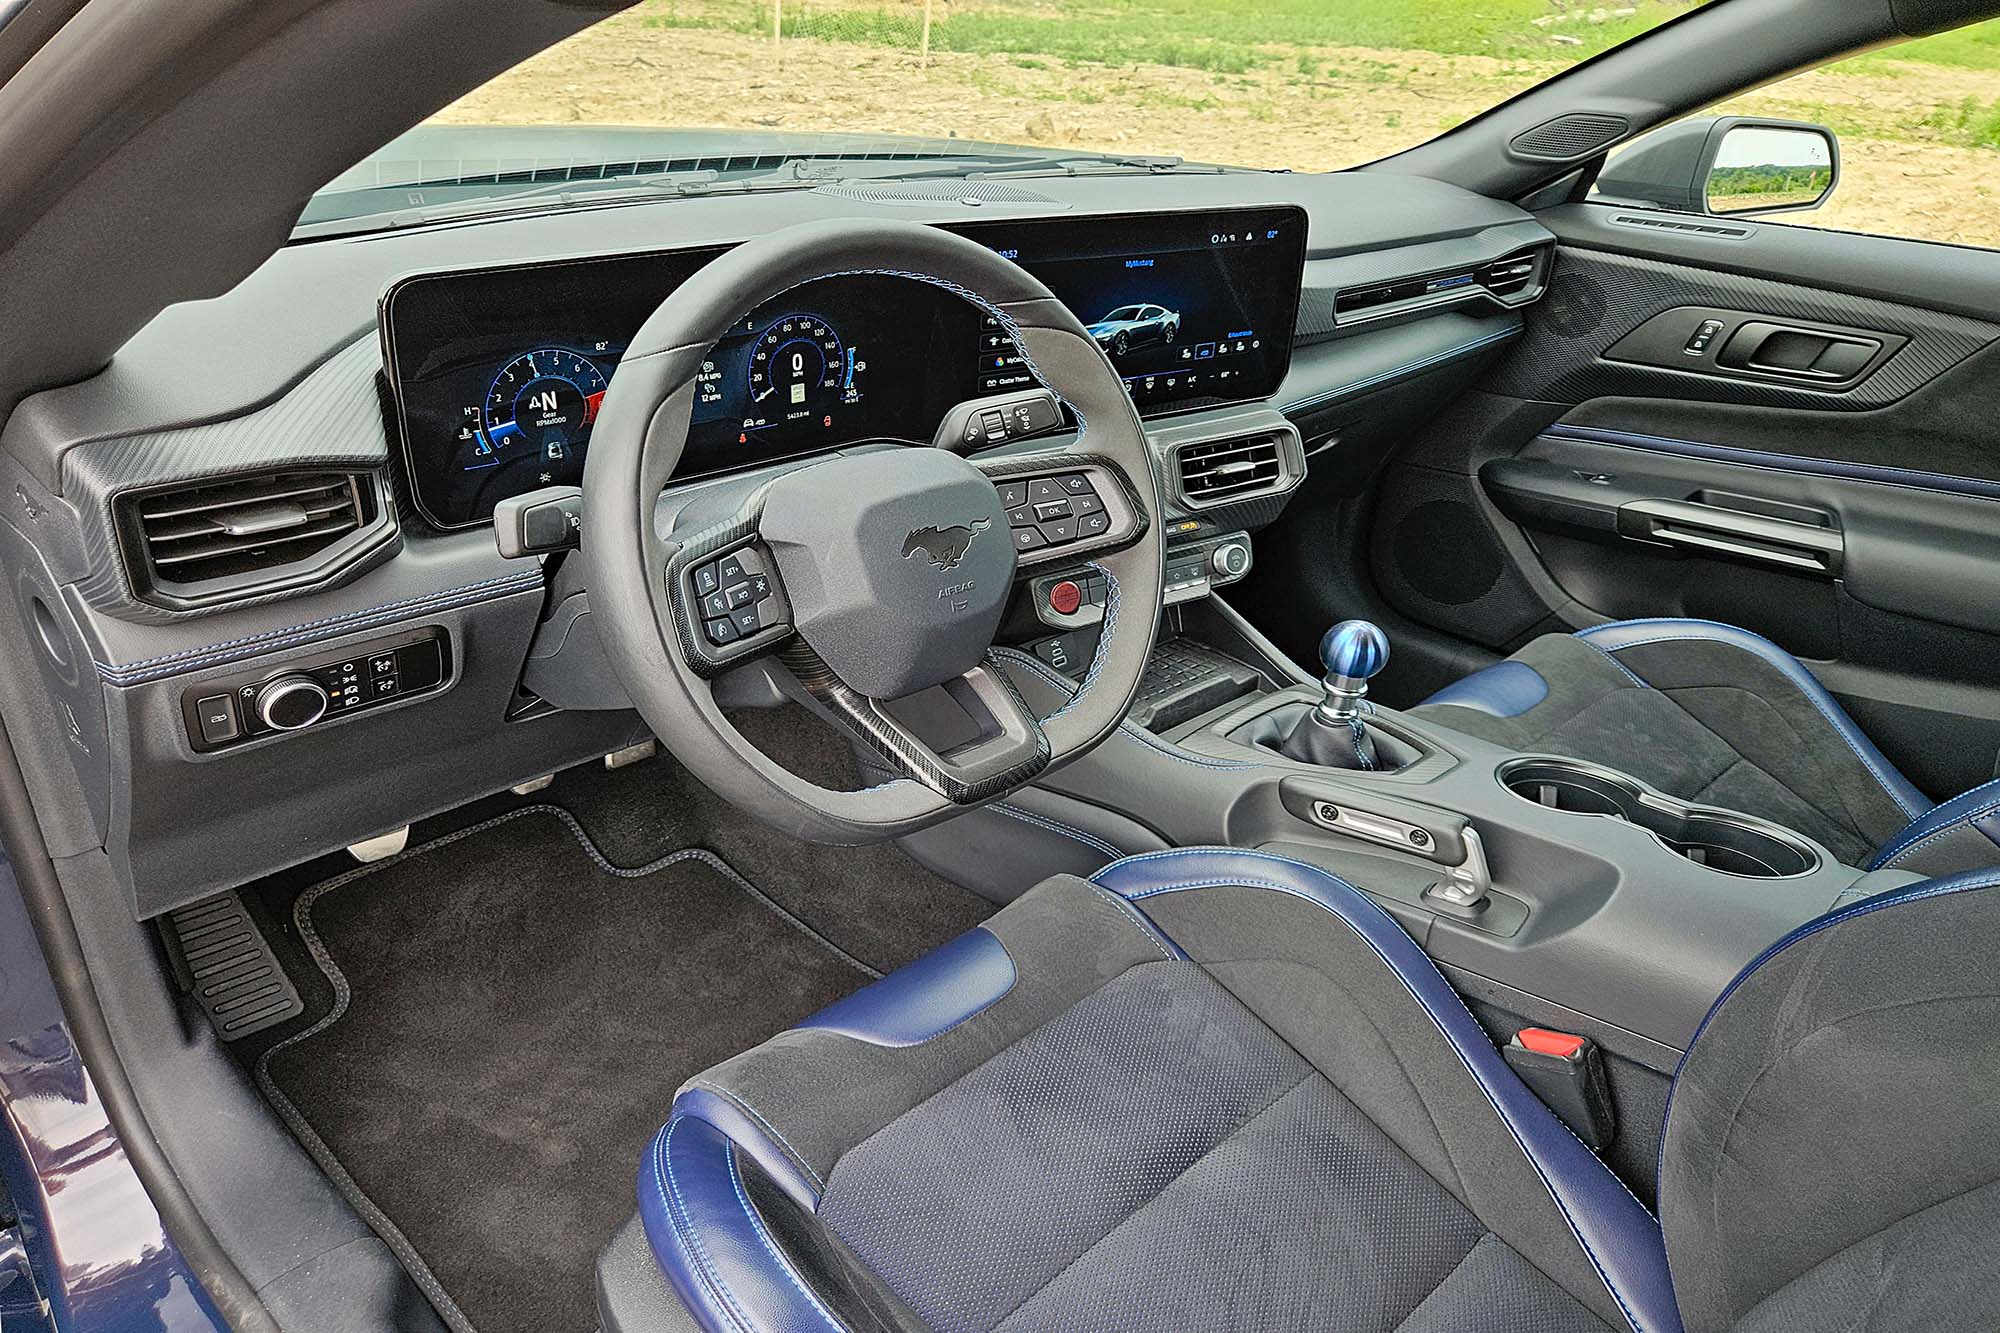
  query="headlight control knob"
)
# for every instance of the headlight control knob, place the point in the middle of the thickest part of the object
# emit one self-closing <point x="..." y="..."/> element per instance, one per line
<point x="1231" y="560"/>
<point x="291" y="702"/>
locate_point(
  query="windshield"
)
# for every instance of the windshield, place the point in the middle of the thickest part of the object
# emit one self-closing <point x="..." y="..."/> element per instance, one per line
<point x="739" y="87"/>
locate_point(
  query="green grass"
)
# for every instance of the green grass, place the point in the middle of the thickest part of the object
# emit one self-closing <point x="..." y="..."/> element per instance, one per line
<point x="1975" y="47"/>
<point x="1221" y="36"/>
<point x="1236" y="39"/>
<point x="1972" y="123"/>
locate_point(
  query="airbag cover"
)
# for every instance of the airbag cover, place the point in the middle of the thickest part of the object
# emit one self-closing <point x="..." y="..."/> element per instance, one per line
<point x="898" y="565"/>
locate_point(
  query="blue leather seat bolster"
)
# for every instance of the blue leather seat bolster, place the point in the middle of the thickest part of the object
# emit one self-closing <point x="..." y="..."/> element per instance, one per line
<point x="710" y="1242"/>
<point x="1506" y="689"/>
<point x="746" y="1127"/>
<point x="1977" y="809"/>
<point x="1619" y="1236"/>
<point x="930" y="996"/>
<point x="1620" y="635"/>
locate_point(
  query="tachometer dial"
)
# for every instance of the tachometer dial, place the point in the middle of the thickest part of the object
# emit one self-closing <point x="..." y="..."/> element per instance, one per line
<point x="541" y="405"/>
<point x="798" y="367"/>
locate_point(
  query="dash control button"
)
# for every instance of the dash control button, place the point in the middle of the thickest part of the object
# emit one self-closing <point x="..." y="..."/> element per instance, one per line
<point x="217" y="715"/>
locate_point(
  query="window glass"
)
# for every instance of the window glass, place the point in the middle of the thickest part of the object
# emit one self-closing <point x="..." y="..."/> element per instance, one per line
<point x="1919" y="130"/>
<point x="1311" y="85"/>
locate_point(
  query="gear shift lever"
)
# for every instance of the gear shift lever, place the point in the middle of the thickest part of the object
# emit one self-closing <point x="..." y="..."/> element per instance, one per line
<point x="1333" y="734"/>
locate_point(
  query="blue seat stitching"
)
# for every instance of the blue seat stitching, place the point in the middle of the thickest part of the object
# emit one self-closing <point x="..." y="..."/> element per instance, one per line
<point x="1057" y="826"/>
<point x="1889" y="858"/>
<point x="757" y="1225"/>
<point x="769" y="1128"/>
<point x="1146" y="927"/>
<point x="1630" y="674"/>
<point x="1909" y="831"/>
<point x="687" y="1237"/>
<point x="1838" y="729"/>
<point x="1554" y="1195"/>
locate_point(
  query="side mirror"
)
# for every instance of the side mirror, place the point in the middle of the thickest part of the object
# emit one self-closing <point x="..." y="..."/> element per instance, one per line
<point x="1722" y="165"/>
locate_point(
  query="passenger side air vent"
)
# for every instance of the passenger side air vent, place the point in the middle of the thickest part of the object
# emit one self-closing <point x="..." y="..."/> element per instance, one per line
<point x="1507" y="276"/>
<point x="1214" y="472"/>
<point x="1503" y="280"/>
<point x="244" y="526"/>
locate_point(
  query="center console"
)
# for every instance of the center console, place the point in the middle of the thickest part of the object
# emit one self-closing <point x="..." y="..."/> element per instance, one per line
<point x="1545" y="884"/>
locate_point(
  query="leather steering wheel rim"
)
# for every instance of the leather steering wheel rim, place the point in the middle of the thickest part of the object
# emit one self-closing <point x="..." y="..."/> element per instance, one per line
<point x="641" y="432"/>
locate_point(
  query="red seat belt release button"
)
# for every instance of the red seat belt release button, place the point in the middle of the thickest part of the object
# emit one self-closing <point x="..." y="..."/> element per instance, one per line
<point x="1562" y="1045"/>
<point x="1567" y="1072"/>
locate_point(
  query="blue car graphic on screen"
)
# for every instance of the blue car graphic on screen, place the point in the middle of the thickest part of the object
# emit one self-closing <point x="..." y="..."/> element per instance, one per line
<point x="1132" y="326"/>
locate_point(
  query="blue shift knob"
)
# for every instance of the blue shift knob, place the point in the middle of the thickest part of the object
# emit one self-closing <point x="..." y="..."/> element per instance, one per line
<point x="1354" y="649"/>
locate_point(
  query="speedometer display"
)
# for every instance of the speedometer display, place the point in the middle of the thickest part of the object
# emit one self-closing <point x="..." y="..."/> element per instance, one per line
<point x="798" y="368"/>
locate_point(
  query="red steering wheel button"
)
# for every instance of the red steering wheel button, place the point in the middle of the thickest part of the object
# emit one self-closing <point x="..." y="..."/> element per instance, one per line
<point x="1064" y="598"/>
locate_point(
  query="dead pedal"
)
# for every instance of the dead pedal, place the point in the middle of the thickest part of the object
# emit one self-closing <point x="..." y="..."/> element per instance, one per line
<point x="235" y="975"/>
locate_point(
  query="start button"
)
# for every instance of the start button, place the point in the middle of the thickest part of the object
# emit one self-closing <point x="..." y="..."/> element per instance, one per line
<point x="1065" y="597"/>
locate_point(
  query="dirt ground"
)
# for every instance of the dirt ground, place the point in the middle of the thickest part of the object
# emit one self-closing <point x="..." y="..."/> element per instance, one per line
<point x="1355" y="105"/>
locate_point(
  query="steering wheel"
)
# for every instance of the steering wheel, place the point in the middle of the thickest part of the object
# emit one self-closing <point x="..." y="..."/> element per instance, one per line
<point x="878" y="574"/>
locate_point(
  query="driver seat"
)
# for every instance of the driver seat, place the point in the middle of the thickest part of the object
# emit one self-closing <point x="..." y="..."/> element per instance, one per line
<point x="1223" y="1090"/>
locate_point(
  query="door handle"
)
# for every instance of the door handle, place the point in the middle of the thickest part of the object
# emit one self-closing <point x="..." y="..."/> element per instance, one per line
<point x="1805" y="354"/>
<point x="1708" y="528"/>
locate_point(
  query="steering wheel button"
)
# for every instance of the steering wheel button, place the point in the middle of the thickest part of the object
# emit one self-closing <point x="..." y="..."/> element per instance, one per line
<point x="715" y="604"/>
<point x="731" y="571"/>
<point x="721" y="631"/>
<point x="748" y="620"/>
<point x="739" y="594"/>
<point x="1027" y="539"/>
<point x="706" y="580"/>
<point x="1022" y="516"/>
<point x="760" y="588"/>
<point x="1013" y="494"/>
<point x="1094" y="525"/>
<point x="1051" y="509"/>
<point x="1077" y="484"/>
<point x="1065" y="598"/>
<point x="1086" y="503"/>
<point x="1044" y="488"/>
<point x="1062" y="530"/>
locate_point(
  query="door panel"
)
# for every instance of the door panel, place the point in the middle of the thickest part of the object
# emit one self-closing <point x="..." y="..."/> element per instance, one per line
<point x="1777" y="451"/>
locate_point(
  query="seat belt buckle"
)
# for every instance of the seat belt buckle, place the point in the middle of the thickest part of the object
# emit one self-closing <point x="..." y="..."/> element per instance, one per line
<point x="1567" y="1072"/>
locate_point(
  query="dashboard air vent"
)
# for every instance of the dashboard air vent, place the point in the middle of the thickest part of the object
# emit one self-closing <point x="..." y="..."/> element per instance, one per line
<point x="245" y="525"/>
<point x="1218" y="471"/>
<point x="1504" y="277"/>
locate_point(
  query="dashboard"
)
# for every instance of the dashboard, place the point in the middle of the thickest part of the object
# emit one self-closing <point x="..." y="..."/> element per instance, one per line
<point x="353" y="363"/>
<point x="497" y="373"/>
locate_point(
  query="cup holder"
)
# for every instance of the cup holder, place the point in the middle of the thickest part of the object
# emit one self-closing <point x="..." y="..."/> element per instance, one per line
<point x="1721" y="840"/>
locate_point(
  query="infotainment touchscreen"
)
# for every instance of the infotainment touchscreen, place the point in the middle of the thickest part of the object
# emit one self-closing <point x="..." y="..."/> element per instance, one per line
<point x="498" y="372"/>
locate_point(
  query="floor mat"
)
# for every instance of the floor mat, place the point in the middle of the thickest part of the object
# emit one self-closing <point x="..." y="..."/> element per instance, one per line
<point x="511" y="1013"/>
<point x="875" y="901"/>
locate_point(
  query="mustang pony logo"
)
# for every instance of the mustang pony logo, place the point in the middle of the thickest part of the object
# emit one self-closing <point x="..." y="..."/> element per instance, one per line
<point x="944" y="546"/>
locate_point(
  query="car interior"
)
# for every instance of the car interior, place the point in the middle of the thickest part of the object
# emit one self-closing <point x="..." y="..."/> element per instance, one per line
<point x="973" y="740"/>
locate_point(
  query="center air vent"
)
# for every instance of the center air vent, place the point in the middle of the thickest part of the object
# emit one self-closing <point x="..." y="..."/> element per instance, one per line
<point x="227" y="530"/>
<point x="1216" y="472"/>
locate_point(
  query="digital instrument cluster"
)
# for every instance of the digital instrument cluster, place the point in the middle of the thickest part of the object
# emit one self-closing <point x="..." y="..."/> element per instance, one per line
<point x="498" y="373"/>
